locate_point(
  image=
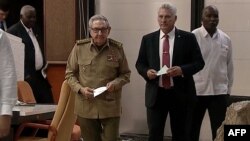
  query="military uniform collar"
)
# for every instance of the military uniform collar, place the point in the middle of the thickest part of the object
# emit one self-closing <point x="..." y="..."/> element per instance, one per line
<point x="105" y="45"/>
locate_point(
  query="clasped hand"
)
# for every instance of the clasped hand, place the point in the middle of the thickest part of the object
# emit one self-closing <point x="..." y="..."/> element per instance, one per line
<point x="172" y="72"/>
<point x="89" y="92"/>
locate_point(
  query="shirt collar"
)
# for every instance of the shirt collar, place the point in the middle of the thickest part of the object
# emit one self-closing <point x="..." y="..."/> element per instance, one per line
<point x="206" y="34"/>
<point x="105" y="45"/>
<point x="26" y="28"/>
<point x="170" y="34"/>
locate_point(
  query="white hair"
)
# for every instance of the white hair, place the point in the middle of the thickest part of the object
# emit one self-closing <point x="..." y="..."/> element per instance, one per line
<point x="98" y="17"/>
<point x="26" y="8"/>
<point x="170" y="7"/>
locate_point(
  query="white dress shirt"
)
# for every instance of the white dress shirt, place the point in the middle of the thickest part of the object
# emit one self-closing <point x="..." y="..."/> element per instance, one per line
<point x="217" y="75"/>
<point x="8" y="79"/>
<point x="38" y="53"/>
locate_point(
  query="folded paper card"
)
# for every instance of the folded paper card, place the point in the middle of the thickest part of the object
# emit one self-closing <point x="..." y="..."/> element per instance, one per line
<point x="162" y="71"/>
<point x="99" y="90"/>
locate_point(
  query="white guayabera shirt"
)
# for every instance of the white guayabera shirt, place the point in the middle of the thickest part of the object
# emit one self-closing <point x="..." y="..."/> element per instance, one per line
<point x="217" y="75"/>
<point x="8" y="79"/>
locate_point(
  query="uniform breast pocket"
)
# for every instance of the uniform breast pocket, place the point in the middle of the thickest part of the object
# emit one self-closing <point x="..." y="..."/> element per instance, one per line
<point x="84" y="65"/>
<point x="111" y="68"/>
<point x="112" y="64"/>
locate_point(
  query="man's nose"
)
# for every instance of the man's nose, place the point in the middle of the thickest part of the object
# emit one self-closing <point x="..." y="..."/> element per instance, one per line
<point x="99" y="32"/>
<point x="213" y="18"/>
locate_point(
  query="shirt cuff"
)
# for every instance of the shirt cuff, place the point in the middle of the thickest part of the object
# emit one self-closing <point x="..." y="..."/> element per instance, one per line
<point x="6" y="109"/>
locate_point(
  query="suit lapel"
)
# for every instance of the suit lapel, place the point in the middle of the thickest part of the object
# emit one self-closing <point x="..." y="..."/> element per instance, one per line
<point x="156" y="49"/>
<point x="27" y="39"/>
<point x="25" y="34"/>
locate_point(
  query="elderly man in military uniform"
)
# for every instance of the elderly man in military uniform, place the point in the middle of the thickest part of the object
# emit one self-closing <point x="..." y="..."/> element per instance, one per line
<point x="93" y="63"/>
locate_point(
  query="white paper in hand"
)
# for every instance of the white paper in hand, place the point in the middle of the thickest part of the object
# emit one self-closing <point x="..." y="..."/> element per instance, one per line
<point x="99" y="90"/>
<point x="162" y="71"/>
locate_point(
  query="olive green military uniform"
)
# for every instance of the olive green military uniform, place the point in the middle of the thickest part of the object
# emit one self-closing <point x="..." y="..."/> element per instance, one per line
<point x="89" y="67"/>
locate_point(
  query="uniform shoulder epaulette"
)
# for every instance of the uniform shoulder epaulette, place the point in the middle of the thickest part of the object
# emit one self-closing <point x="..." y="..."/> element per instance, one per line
<point x="114" y="42"/>
<point x="83" y="41"/>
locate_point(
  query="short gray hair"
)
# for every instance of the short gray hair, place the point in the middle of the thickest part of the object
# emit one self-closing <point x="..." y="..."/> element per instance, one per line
<point x="98" y="17"/>
<point x="26" y="8"/>
<point x="210" y="7"/>
<point x="170" y="7"/>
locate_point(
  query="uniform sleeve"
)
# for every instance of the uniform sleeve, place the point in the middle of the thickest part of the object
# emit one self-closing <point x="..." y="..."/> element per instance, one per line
<point x="124" y="72"/>
<point x="72" y="69"/>
<point x="8" y="78"/>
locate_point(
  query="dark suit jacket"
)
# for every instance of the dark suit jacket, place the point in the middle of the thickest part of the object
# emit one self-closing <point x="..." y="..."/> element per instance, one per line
<point x="186" y="54"/>
<point x="29" y="61"/>
<point x="40" y="86"/>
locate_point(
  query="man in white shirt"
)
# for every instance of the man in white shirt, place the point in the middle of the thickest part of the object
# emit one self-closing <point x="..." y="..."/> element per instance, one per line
<point x="214" y="82"/>
<point x="8" y="85"/>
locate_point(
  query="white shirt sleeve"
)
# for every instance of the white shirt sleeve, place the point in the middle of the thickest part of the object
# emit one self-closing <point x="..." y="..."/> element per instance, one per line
<point x="230" y="68"/>
<point x="8" y="79"/>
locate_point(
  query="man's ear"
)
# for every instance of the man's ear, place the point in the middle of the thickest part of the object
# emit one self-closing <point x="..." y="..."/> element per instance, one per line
<point x="109" y="29"/>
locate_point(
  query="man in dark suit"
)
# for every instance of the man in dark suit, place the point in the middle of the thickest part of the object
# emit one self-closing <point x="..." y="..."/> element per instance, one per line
<point x="34" y="63"/>
<point x="4" y="11"/>
<point x="173" y="92"/>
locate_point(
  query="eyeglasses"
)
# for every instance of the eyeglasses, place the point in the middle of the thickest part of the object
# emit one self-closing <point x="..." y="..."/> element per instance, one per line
<point x="96" y="30"/>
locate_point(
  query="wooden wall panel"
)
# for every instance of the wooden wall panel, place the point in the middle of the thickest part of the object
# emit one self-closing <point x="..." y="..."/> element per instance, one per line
<point x="59" y="20"/>
<point x="56" y="75"/>
<point x="59" y="30"/>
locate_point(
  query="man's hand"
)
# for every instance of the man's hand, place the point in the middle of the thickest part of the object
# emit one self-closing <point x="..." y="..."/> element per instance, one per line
<point x="5" y="121"/>
<point x="174" y="71"/>
<point x="151" y="73"/>
<point x="110" y="87"/>
<point x="87" y="92"/>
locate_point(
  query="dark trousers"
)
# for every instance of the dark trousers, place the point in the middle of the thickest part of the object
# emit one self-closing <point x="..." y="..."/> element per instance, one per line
<point x="40" y="87"/>
<point x="168" y="101"/>
<point x="216" y="106"/>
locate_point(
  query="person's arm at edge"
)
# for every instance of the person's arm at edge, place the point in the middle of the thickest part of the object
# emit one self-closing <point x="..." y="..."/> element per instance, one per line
<point x="230" y="68"/>
<point x="8" y="85"/>
<point x="72" y="70"/>
<point x="197" y="60"/>
<point x="141" y="64"/>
